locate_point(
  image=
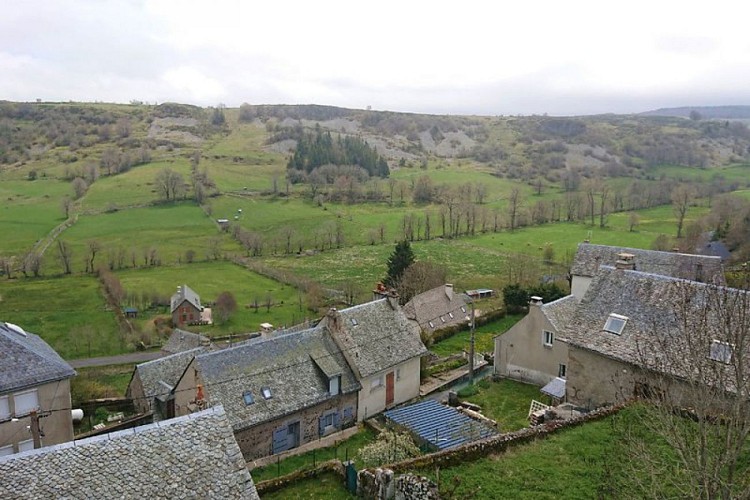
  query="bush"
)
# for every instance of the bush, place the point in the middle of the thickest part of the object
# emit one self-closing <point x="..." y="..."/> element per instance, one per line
<point x="390" y="447"/>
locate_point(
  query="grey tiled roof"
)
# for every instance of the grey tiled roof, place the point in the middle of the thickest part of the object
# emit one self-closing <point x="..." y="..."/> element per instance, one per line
<point x="182" y="340"/>
<point x="26" y="360"/>
<point x="282" y="363"/>
<point x="184" y="293"/>
<point x="381" y="338"/>
<point x="678" y="265"/>
<point x="168" y="370"/>
<point x="560" y="311"/>
<point x="188" y="457"/>
<point x="433" y="304"/>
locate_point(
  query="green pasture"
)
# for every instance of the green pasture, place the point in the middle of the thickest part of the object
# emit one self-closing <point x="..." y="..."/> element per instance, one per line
<point x="506" y="402"/>
<point x="739" y="173"/>
<point x="172" y="229"/>
<point x="208" y="280"/>
<point x="28" y="211"/>
<point x="483" y="337"/>
<point x="69" y="313"/>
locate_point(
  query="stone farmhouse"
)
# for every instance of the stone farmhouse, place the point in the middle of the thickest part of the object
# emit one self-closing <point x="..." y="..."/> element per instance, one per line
<point x="33" y="378"/>
<point x="438" y="308"/>
<point x="191" y="457"/>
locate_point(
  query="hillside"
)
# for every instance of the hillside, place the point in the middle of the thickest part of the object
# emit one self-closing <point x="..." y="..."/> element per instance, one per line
<point x="706" y="112"/>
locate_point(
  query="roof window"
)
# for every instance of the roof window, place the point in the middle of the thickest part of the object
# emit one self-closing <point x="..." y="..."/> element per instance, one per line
<point x="248" y="397"/>
<point x="721" y="351"/>
<point x="354" y="321"/>
<point x="615" y="323"/>
<point x="266" y="392"/>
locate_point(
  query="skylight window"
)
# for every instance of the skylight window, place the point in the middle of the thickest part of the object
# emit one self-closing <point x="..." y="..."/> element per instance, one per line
<point x="450" y="315"/>
<point x="354" y="322"/>
<point x="721" y="351"/>
<point x="248" y="397"/>
<point x="463" y="309"/>
<point x="615" y="323"/>
<point x="266" y="392"/>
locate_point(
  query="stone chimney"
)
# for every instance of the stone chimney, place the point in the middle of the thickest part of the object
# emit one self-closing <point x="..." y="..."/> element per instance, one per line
<point x="535" y="301"/>
<point x="625" y="261"/>
<point x="334" y="323"/>
<point x="393" y="299"/>
<point x="449" y="290"/>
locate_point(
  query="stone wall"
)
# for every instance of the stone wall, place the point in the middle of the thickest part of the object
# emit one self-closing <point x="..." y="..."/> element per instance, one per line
<point x="383" y="484"/>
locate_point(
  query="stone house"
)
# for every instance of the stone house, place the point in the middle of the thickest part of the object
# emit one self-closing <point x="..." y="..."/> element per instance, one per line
<point x="279" y="392"/>
<point x="182" y="340"/>
<point x="588" y="258"/>
<point x="438" y="308"/>
<point x="383" y="349"/>
<point x="185" y="307"/>
<point x="534" y="350"/>
<point x="33" y="377"/>
<point x="633" y="328"/>
<point x="191" y="457"/>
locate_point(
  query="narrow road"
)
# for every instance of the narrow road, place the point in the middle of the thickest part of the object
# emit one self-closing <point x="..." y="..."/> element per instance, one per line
<point x="133" y="357"/>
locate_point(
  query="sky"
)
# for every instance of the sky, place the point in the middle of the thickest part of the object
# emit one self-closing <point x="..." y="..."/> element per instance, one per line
<point x="443" y="57"/>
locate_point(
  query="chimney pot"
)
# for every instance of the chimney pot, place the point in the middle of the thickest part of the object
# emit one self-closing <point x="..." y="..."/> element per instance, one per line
<point x="536" y="301"/>
<point x="625" y="261"/>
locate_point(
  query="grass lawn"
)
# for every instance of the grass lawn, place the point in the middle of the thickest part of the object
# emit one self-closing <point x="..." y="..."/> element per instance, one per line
<point x="68" y="312"/>
<point x="208" y="280"/>
<point x="328" y="486"/>
<point x="483" y="337"/>
<point x="288" y="465"/>
<point x="101" y="382"/>
<point x="507" y="402"/>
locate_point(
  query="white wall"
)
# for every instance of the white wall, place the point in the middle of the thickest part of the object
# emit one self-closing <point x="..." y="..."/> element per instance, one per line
<point x="406" y="387"/>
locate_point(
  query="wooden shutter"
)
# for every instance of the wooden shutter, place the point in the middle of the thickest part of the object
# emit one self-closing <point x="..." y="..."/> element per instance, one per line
<point x="279" y="440"/>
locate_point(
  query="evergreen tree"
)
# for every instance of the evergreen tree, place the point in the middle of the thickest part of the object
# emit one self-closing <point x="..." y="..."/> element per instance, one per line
<point x="401" y="258"/>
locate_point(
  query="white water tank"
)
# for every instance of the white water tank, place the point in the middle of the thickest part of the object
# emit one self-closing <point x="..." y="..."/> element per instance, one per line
<point x="77" y="414"/>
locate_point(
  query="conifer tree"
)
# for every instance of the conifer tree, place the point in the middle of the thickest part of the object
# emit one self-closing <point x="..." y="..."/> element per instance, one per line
<point x="401" y="258"/>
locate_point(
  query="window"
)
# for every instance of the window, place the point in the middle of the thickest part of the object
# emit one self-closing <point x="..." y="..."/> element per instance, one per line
<point x="450" y="315"/>
<point x="4" y="408"/>
<point x="562" y="370"/>
<point x="266" y="392"/>
<point x="721" y="351"/>
<point x="354" y="322"/>
<point x="431" y="325"/>
<point x="327" y="420"/>
<point x="442" y="318"/>
<point x="377" y="383"/>
<point x="26" y="402"/>
<point x="548" y="338"/>
<point x="615" y="323"/>
<point x="25" y="445"/>
<point x="333" y="385"/>
<point x="248" y="397"/>
<point x="6" y="450"/>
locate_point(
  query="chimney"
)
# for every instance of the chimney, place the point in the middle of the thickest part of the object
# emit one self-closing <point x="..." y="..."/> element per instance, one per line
<point x="625" y="261"/>
<point x="536" y="301"/>
<point x="393" y="299"/>
<point x="334" y="320"/>
<point x="449" y="290"/>
<point x="205" y="342"/>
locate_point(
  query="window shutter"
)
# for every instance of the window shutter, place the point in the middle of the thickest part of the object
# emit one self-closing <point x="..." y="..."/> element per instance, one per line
<point x="279" y="440"/>
<point x="348" y="412"/>
<point x="321" y="425"/>
<point x="336" y="420"/>
<point x="4" y="408"/>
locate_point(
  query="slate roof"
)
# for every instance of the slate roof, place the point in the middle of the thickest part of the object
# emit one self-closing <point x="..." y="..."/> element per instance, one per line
<point x="376" y="336"/>
<point x="442" y="426"/>
<point x="285" y="364"/>
<point x="555" y="388"/>
<point x="649" y="302"/>
<point x="560" y="311"/>
<point x="159" y="376"/>
<point x="182" y="340"/>
<point x="184" y="293"/>
<point x="27" y="360"/>
<point x="195" y="456"/>
<point x="429" y="306"/>
<point x="678" y="265"/>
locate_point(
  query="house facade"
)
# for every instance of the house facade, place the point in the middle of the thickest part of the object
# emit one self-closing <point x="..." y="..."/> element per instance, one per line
<point x="383" y="349"/>
<point x="534" y="350"/>
<point x="588" y="258"/>
<point x="186" y="307"/>
<point x="193" y="457"/>
<point x="279" y="392"/>
<point x="33" y="378"/>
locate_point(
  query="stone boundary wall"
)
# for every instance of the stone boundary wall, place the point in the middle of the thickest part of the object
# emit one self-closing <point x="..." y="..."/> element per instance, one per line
<point x="278" y="483"/>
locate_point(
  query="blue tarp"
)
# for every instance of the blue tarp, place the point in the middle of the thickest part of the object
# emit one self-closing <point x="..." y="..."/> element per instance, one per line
<point x="441" y="426"/>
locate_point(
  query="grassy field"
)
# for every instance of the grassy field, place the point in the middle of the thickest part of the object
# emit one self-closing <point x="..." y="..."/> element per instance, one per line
<point x="101" y="382"/>
<point x="506" y="402"/>
<point x="328" y="486"/>
<point x="483" y="337"/>
<point x="75" y="324"/>
<point x="209" y="279"/>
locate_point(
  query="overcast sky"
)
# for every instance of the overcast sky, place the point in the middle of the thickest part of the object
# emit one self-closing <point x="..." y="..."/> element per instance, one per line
<point x="468" y="57"/>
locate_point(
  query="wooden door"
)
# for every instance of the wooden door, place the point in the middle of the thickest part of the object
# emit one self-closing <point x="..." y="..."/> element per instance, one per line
<point x="389" y="389"/>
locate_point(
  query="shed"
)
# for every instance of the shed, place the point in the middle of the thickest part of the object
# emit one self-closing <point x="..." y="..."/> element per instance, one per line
<point x="481" y="293"/>
<point x="130" y="312"/>
<point x="440" y="426"/>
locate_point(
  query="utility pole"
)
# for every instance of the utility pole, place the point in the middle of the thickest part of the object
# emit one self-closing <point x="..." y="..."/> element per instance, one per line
<point x="35" y="434"/>
<point x="471" y="346"/>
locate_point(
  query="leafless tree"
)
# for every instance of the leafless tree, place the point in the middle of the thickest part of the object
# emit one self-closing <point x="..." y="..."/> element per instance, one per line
<point x="696" y="378"/>
<point x="79" y="187"/>
<point x="66" y="205"/>
<point x="65" y="253"/>
<point x="93" y="247"/>
<point x="419" y="277"/>
<point x="225" y="306"/>
<point x="633" y="220"/>
<point x="682" y="195"/>
<point x="169" y="184"/>
<point x="514" y="205"/>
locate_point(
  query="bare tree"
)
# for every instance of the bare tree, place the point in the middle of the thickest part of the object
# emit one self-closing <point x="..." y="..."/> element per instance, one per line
<point x="514" y="204"/>
<point x="65" y="253"/>
<point x="633" y="220"/>
<point x="169" y="184"/>
<point x="79" y="187"/>
<point x="93" y="247"/>
<point x="419" y="277"/>
<point x="66" y="205"/>
<point x="682" y="195"/>
<point x="225" y="306"/>
<point x="697" y="381"/>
